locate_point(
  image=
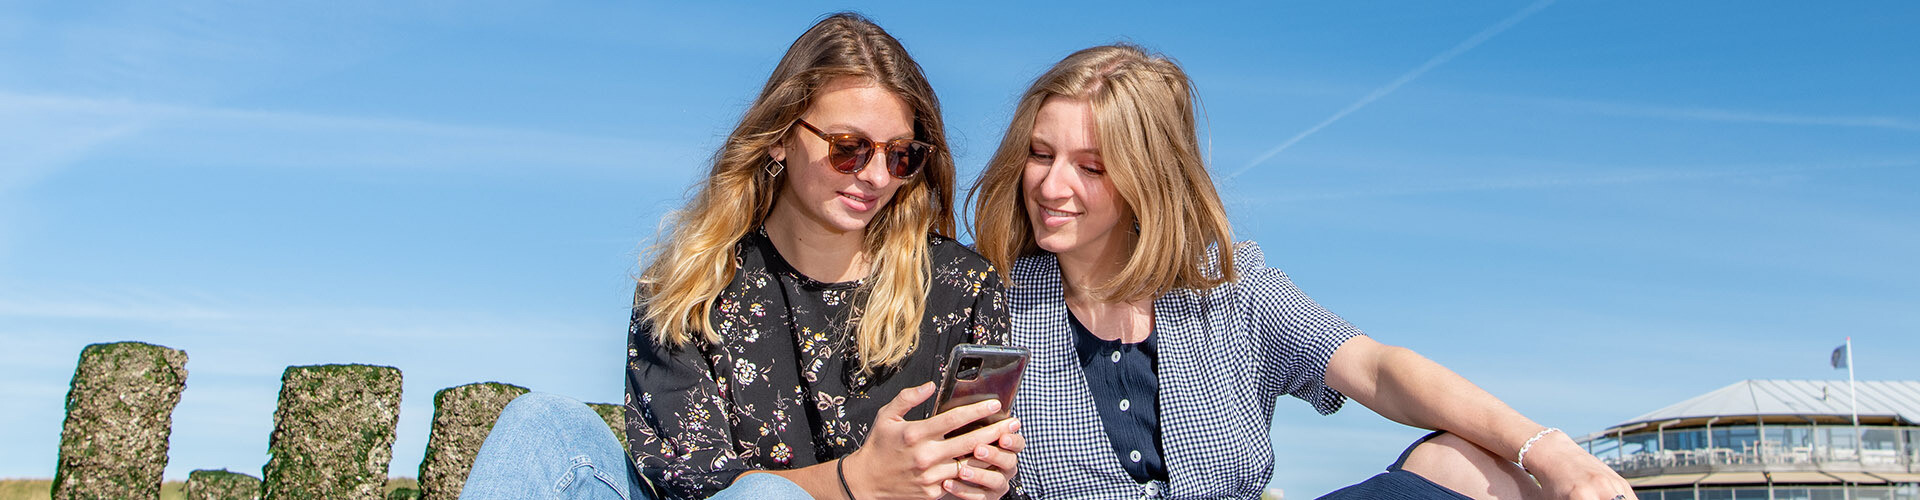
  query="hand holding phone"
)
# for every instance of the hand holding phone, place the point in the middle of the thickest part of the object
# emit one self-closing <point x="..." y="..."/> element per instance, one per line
<point x="977" y="372"/>
<point x="893" y="460"/>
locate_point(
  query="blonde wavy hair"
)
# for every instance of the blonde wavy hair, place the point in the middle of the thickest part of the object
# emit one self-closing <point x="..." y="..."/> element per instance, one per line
<point x="1143" y="106"/>
<point x="694" y="261"/>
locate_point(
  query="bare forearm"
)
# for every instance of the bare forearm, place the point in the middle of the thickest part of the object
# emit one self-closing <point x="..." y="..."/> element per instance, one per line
<point x="1408" y="388"/>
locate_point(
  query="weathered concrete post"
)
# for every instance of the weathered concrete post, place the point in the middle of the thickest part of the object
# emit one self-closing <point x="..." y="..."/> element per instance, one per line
<point x="119" y="415"/>
<point x="333" y="432"/>
<point x="208" y="484"/>
<point x="462" y="417"/>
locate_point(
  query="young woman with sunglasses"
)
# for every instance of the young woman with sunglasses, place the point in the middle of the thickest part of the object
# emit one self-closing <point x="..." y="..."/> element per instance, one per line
<point x="786" y="330"/>
<point x="1156" y="337"/>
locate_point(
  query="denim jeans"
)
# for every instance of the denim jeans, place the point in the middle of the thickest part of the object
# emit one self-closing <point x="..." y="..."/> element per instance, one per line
<point x="547" y="446"/>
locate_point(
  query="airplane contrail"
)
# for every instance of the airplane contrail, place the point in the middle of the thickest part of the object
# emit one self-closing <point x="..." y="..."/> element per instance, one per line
<point x="1436" y="61"/>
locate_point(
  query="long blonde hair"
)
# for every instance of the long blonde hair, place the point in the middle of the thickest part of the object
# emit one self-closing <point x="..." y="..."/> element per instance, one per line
<point x="694" y="262"/>
<point x="1143" y="106"/>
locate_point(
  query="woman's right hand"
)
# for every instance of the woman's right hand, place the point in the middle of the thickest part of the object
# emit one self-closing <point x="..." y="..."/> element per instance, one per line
<point x="1566" y="470"/>
<point x="912" y="459"/>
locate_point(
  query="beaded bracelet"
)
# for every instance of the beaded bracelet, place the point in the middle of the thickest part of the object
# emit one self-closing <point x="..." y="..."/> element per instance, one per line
<point x="1522" y="459"/>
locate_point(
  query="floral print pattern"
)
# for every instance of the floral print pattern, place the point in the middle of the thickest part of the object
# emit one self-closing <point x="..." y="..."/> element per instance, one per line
<point x="783" y="388"/>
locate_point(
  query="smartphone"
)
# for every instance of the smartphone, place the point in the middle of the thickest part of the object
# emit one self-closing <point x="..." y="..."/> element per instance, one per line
<point x="976" y="373"/>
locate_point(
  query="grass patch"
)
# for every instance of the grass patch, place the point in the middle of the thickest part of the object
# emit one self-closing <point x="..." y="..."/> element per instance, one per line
<point x="42" y="489"/>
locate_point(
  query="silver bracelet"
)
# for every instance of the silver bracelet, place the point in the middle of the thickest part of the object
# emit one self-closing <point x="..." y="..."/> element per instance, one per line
<point x="1522" y="459"/>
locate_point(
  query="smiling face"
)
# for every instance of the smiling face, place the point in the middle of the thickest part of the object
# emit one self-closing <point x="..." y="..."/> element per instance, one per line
<point x="1070" y="201"/>
<point x="816" y="195"/>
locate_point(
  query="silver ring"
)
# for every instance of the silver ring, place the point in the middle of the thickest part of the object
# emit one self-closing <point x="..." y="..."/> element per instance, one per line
<point x="1619" y="497"/>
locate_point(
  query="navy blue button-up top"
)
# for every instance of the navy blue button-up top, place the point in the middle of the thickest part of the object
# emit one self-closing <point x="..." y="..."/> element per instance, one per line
<point x="1126" y="391"/>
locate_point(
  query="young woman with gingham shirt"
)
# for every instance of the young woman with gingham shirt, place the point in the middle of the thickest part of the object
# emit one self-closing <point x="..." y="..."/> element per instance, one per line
<point x="1159" y="347"/>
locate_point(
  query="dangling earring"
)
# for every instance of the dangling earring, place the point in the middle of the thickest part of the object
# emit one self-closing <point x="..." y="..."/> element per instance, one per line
<point x="774" y="168"/>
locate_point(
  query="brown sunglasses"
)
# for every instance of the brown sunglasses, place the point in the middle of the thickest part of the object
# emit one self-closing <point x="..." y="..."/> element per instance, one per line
<point x="849" y="153"/>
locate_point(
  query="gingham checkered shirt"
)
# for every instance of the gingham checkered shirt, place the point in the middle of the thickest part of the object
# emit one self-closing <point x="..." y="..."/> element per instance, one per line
<point x="1225" y="356"/>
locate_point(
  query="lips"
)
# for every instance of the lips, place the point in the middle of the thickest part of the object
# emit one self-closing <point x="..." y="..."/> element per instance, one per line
<point x="1057" y="218"/>
<point x="857" y="202"/>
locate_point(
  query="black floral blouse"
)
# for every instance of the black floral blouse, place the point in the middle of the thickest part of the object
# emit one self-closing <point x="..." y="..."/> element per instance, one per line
<point x="783" y="389"/>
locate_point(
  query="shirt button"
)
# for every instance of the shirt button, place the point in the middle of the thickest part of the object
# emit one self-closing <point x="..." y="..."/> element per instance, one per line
<point x="1134" y="456"/>
<point x="1115" y="356"/>
<point x="1124" y="404"/>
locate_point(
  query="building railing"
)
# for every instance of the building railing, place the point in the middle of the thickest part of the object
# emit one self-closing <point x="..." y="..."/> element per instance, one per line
<point x="1763" y="454"/>
<point x="1831" y="492"/>
<point x="1759" y="447"/>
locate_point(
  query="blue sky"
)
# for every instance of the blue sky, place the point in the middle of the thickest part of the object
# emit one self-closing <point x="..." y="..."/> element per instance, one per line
<point x="1593" y="209"/>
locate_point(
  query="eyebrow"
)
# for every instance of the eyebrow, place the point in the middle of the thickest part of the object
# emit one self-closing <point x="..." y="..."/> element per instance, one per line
<point x="842" y="128"/>
<point x="1035" y="140"/>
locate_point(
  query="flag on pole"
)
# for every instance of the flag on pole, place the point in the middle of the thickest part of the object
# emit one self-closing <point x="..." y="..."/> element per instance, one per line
<point x="1840" y="357"/>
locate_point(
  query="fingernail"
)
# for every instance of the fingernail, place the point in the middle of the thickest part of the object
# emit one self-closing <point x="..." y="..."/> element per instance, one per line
<point x="993" y="405"/>
<point x="1015" y="426"/>
<point x="982" y="452"/>
<point x="966" y="473"/>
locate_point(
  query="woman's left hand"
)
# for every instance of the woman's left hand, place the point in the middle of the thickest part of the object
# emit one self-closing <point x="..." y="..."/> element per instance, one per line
<point x="1568" y="472"/>
<point x="989" y="472"/>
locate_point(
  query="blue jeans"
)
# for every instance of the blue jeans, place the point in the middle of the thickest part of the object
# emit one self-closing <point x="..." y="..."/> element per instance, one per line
<point x="548" y="446"/>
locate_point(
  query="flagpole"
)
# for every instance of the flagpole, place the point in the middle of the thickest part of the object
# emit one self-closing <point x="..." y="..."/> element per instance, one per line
<point x="1853" y="396"/>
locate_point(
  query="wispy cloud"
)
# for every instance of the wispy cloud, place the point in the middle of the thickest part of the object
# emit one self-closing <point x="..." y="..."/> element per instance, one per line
<point x="61" y="302"/>
<point x="1696" y="113"/>
<point x="236" y="336"/>
<point x="238" y="314"/>
<point x="1567" y="181"/>
<point x="1442" y="58"/>
<point x="163" y="134"/>
<point x="153" y="312"/>
<point x="39" y="140"/>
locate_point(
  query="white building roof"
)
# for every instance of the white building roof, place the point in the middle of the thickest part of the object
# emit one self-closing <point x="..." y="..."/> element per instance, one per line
<point x="1900" y="398"/>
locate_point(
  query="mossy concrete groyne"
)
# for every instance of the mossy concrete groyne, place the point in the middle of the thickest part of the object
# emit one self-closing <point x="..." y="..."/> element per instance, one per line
<point x="221" y="484"/>
<point x="119" y="416"/>
<point x="462" y="417"/>
<point x="333" y="431"/>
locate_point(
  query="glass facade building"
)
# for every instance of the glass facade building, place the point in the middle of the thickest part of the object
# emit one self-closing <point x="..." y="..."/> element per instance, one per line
<point x="1773" y="440"/>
